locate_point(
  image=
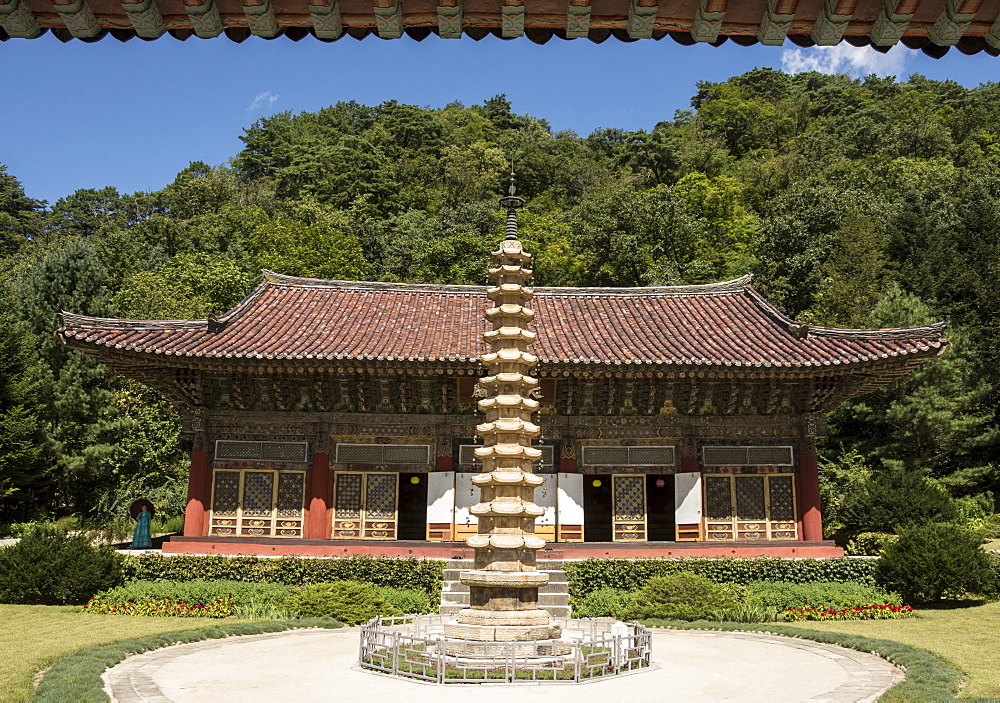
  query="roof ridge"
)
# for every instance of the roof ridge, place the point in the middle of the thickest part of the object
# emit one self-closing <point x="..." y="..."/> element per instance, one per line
<point x="75" y="320"/>
<point x="735" y="285"/>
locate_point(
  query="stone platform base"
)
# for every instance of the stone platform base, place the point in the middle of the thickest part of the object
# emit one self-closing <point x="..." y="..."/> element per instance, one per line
<point x="501" y="633"/>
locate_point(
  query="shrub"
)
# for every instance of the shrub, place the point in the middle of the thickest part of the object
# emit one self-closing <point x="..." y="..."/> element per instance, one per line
<point x="406" y="600"/>
<point x="893" y="498"/>
<point x="421" y="574"/>
<point x="347" y="601"/>
<point x="869" y="544"/>
<point x="49" y="567"/>
<point x="605" y="603"/>
<point x="683" y="596"/>
<point x="929" y="562"/>
<point x="832" y="596"/>
<point x="632" y="574"/>
<point x="221" y="607"/>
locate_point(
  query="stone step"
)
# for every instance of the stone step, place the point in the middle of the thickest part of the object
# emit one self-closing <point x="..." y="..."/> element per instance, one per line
<point x="541" y="565"/>
<point x="555" y="576"/>
<point x="459" y="587"/>
<point x="543" y="599"/>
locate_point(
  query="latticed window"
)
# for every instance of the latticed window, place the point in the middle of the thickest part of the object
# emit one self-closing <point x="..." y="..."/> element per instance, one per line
<point x="383" y="453"/>
<point x="747" y="456"/>
<point x="628" y="456"/>
<point x="750" y="507"/>
<point x="232" y="450"/>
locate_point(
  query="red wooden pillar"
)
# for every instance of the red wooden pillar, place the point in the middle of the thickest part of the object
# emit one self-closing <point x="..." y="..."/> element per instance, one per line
<point x="199" y="495"/>
<point x="319" y="525"/>
<point x="807" y="497"/>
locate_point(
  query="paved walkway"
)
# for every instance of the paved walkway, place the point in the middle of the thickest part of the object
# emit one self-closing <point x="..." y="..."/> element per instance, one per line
<point x="691" y="666"/>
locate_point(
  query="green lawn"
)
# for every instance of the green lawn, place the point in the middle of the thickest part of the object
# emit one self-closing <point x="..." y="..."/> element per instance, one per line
<point x="33" y="636"/>
<point x="968" y="638"/>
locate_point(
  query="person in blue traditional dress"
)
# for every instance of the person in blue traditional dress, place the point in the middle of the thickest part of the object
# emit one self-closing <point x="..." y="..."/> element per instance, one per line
<point x="142" y="512"/>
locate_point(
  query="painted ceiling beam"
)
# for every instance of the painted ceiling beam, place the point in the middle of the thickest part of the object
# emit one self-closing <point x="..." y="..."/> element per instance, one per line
<point x="78" y="18"/>
<point x="777" y="20"/>
<point x="708" y="20"/>
<point x="578" y="19"/>
<point x="993" y="36"/>
<point x="641" y="18"/>
<point x="892" y="22"/>
<point x="389" y="18"/>
<point x="512" y="18"/>
<point x="831" y="22"/>
<point x="260" y="18"/>
<point x="145" y="18"/>
<point x="953" y="21"/>
<point x="326" y="18"/>
<point x="205" y="18"/>
<point x="18" y="20"/>
<point x="450" y="19"/>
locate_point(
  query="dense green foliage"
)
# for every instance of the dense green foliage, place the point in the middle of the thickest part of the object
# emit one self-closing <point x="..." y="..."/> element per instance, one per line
<point x="423" y="575"/>
<point x="929" y="562"/>
<point x="78" y="676"/>
<point x="683" y="596"/>
<point x="782" y="595"/>
<point x="194" y="592"/>
<point x="47" y="567"/>
<point x="347" y="601"/>
<point x="858" y="203"/>
<point x="631" y="574"/>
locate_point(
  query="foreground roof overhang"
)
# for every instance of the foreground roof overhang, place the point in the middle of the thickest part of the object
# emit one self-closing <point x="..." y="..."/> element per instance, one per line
<point x="301" y="321"/>
<point x="931" y="25"/>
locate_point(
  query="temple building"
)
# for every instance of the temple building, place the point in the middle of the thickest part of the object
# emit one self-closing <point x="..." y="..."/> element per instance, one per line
<point x="339" y="417"/>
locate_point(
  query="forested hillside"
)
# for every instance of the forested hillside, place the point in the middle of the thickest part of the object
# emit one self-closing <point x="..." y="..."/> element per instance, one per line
<point x="869" y="203"/>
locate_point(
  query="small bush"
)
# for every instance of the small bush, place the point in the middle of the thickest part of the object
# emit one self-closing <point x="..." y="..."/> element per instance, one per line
<point x="869" y="544"/>
<point x="605" y="603"/>
<point x="930" y="562"/>
<point x="221" y="607"/>
<point x="683" y="596"/>
<point x="47" y="567"/>
<point x="406" y="600"/>
<point x="347" y="601"/>
<point x="896" y="497"/>
<point x="832" y="596"/>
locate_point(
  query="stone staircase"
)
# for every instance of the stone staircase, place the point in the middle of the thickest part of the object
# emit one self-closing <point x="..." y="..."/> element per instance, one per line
<point x="552" y="597"/>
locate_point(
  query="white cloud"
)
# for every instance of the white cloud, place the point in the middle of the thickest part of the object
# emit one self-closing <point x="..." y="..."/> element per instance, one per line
<point x="263" y="101"/>
<point x="857" y="61"/>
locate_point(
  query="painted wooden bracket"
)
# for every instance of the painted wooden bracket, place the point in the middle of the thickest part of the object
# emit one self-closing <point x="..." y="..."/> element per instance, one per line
<point x="261" y="19"/>
<point x="830" y="24"/>
<point x="389" y="20"/>
<point x="706" y="24"/>
<point x="79" y="19"/>
<point x="18" y="21"/>
<point x="993" y="36"/>
<point x="512" y="20"/>
<point x="890" y="24"/>
<point x="145" y="18"/>
<point x="578" y="20"/>
<point x="641" y="19"/>
<point x="326" y="19"/>
<point x="774" y="25"/>
<point x="953" y="21"/>
<point x="450" y="20"/>
<point x="205" y="19"/>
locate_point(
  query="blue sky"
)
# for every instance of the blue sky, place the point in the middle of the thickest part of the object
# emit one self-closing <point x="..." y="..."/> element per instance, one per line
<point x="132" y="115"/>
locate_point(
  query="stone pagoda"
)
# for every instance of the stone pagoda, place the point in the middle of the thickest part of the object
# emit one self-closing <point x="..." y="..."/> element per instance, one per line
<point x="504" y="583"/>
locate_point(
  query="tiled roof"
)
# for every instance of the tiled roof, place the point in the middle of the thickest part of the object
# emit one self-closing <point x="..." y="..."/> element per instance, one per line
<point x="930" y="25"/>
<point x="286" y="318"/>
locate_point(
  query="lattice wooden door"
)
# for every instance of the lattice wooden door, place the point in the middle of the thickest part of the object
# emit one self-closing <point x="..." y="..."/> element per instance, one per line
<point x="365" y="505"/>
<point x="750" y="507"/>
<point x="628" y="513"/>
<point x="257" y="504"/>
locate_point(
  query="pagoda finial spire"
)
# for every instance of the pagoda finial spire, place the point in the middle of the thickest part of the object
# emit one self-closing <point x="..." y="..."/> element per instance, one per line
<point x="512" y="203"/>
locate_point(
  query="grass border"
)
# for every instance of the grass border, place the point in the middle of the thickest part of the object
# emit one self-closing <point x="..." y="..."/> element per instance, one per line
<point x="928" y="678"/>
<point x="77" y="676"/>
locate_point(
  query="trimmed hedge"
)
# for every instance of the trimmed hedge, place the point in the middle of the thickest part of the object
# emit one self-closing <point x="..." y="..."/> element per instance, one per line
<point x="77" y="677"/>
<point x="927" y="677"/>
<point x="632" y="574"/>
<point x="405" y="573"/>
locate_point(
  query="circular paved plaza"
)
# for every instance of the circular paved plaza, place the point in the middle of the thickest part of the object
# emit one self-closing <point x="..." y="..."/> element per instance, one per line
<point x="322" y="665"/>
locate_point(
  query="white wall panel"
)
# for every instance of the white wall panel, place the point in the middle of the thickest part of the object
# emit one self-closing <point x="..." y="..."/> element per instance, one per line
<point x="687" y="498"/>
